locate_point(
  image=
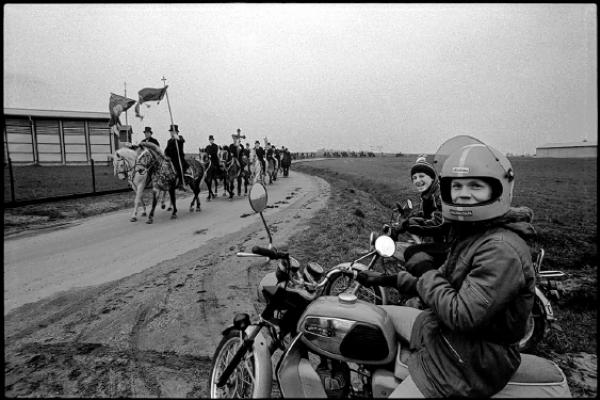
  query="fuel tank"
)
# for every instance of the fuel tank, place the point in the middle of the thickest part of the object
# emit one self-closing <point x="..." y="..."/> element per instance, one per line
<point x="344" y="328"/>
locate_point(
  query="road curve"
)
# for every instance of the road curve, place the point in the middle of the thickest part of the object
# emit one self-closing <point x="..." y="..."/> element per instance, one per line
<point x="104" y="248"/>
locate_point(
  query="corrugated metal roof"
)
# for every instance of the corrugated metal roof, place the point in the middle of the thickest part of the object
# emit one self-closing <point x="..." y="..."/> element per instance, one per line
<point x="567" y="144"/>
<point x="56" y="113"/>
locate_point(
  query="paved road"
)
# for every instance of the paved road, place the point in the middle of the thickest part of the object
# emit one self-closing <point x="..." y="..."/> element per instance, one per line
<point x="108" y="247"/>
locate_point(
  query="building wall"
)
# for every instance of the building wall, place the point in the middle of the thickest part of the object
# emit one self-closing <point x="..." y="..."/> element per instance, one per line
<point x="567" y="152"/>
<point x="51" y="140"/>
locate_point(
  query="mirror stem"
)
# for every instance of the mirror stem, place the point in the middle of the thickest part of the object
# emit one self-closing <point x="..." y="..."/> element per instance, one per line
<point x="267" y="228"/>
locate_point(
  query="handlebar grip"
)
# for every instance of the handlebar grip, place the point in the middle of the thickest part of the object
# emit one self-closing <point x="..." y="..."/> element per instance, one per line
<point x="273" y="255"/>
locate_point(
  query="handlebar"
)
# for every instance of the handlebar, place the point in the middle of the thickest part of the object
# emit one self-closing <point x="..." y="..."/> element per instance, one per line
<point x="272" y="254"/>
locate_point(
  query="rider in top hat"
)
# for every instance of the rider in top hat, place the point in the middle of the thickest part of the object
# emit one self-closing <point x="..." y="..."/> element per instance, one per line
<point x="236" y="149"/>
<point x="175" y="152"/>
<point x="213" y="152"/>
<point x="149" y="138"/>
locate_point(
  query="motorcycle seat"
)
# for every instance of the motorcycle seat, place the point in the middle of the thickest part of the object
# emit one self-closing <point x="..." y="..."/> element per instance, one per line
<point x="537" y="370"/>
<point x="535" y="377"/>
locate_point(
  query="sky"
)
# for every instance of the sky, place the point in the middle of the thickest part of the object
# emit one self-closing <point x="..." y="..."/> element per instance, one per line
<point x="374" y="77"/>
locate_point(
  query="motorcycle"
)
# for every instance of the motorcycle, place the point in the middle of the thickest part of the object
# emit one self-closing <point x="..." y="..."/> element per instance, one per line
<point x="333" y="346"/>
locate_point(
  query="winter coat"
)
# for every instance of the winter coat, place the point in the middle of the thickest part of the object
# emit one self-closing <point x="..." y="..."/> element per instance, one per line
<point x="427" y="221"/>
<point x="466" y="343"/>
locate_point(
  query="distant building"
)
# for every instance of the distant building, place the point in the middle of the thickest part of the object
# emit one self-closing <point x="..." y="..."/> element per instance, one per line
<point x="582" y="149"/>
<point x="47" y="137"/>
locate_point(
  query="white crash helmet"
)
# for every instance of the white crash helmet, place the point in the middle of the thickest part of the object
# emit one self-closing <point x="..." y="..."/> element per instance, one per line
<point x="482" y="162"/>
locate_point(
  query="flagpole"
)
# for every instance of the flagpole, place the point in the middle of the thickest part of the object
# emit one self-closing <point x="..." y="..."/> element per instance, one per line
<point x="126" y="121"/>
<point x="172" y="125"/>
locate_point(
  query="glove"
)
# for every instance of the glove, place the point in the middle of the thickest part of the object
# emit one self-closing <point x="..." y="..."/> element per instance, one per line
<point x="374" y="278"/>
<point x="395" y="230"/>
<point x="406" y="283"/>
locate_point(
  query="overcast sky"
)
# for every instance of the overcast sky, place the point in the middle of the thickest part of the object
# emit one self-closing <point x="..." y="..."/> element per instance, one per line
<point x="381" y="77"/>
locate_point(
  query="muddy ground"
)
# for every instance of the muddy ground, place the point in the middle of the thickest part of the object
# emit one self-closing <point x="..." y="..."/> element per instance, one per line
<point x="150" y="334"/>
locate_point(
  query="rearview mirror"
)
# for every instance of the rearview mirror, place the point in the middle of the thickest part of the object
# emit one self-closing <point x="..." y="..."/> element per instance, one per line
<point x="385" y="246"/>
<point x="258" y="197"/>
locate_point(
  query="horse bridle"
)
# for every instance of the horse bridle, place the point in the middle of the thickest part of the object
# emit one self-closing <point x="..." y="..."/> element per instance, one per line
<point x="127" y="170"/>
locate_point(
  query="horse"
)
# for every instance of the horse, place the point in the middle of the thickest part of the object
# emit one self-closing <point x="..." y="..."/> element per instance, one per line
<point x="193" y="180"/>
<point x="254" y="167"/>
<point x="272" y="166"/>
<point x="213" y="173"/>
<point x="233" y="174"/>
<point x="162" y="172"/>
<point x="125" y="167"/>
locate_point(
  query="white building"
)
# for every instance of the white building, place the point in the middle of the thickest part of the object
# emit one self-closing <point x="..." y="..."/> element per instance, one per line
<point x="582" y="149"/>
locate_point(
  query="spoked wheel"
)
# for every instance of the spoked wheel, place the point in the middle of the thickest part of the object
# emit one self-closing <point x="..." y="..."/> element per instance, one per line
<point x="339" y="284"/>
<point x="242" y="381"/>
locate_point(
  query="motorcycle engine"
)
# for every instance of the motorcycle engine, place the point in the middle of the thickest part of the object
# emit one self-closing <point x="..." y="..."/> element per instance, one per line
<point x="335" y="376"/>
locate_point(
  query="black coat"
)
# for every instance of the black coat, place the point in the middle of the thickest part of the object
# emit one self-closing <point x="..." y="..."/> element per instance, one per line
<point x="175" y="148"/>
<point x="150" y="139"/>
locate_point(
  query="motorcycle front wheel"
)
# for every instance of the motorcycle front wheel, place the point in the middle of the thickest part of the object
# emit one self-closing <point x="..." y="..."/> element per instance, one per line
<point x="242" y="381"/>
<point x="339" y="284"/>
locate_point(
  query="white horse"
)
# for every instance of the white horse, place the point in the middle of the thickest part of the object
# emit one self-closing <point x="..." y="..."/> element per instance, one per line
<point x="125" y="167"/>
<point x="255" y="167"/>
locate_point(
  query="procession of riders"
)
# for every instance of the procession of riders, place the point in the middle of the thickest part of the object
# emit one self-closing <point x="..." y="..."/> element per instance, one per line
<point x="231" y="164"/>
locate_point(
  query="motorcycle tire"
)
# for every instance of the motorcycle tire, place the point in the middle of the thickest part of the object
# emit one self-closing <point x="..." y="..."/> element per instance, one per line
<point x="241" y="383"/>
<point x="339" y="283"/>
<point x="536" y="325"/>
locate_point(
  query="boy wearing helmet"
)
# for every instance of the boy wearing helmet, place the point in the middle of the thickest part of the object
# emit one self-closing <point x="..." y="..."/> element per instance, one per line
<point x="426" y="222"/>
<point x="466" y="343"/>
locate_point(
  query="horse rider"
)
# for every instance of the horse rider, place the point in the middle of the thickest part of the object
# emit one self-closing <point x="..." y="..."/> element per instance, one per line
<point x="149" y="138"/>
<point x="270" y="152"/>
<point x="174" y="151"/>
<point x="260" y="153"/>
<point x="277" y="154"/>
<point x="236" y="149"/>
<point x="213" y="153"/>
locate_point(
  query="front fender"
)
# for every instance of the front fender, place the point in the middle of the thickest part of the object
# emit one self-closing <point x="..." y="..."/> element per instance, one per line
<point x="547" y="307"/>
<point x="261" y="353"/>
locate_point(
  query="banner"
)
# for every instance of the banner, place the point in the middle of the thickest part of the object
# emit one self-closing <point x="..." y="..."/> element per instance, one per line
<point x="149" y="94"/>
<point x="116" y="105"/>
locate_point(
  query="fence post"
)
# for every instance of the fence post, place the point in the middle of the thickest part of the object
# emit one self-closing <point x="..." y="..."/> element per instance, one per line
<point x="93" y="176"/>
<point x="12" y="181"/>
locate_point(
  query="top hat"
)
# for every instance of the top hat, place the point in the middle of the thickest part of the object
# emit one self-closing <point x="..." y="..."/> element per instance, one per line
<point x="174" y="128"/>
<point x="257" y="142"/>
<point x="147" y="129"/>
<point x="211" y="137"/>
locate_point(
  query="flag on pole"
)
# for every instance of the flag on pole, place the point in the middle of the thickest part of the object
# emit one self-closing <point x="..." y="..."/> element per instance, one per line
<point x="149" y="94"/>
<point x="116" y="105"/>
